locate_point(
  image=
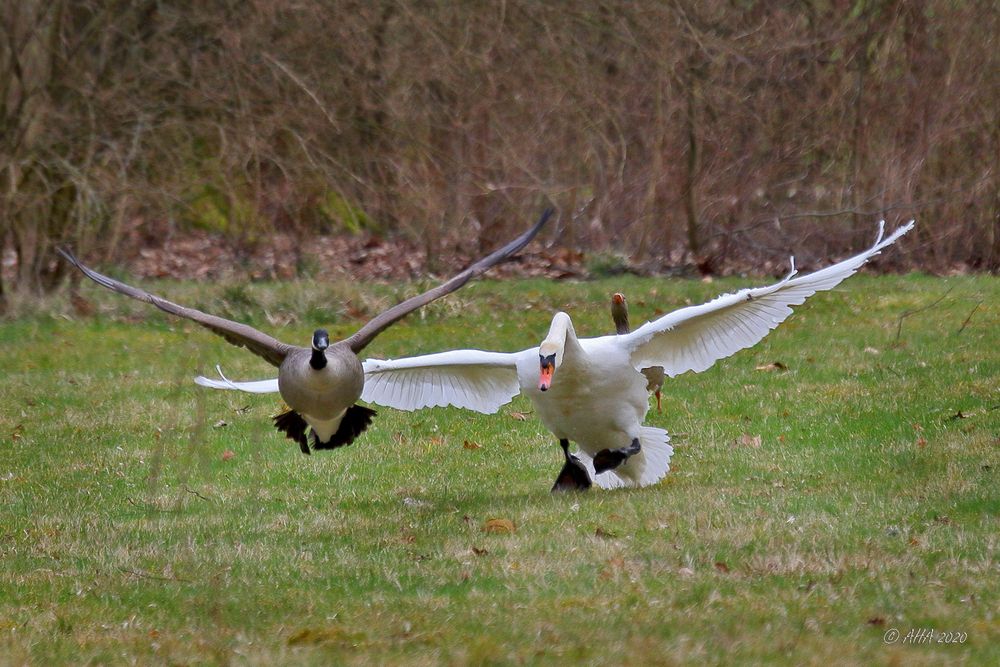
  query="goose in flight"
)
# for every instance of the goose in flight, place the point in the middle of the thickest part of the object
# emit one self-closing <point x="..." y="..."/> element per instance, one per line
<point x="654" y="374"/>
<point x="591" y="390"/>
<point x="321" y="383"/>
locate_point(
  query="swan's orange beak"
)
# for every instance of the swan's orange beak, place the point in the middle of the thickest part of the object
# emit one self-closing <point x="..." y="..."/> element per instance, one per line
<point x="618" y="298"/>
<point x="548" y="366"/>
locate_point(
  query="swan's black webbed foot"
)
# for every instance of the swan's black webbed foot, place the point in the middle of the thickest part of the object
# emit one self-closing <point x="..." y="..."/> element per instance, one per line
<point x="609" y="459"/>
<point x="573" y="476"/>
<point x="294" y="427"/>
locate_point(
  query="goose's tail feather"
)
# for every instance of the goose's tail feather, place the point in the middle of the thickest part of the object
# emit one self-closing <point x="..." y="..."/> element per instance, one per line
<point x="354" y="422"/>
<point x="294" y="427"/>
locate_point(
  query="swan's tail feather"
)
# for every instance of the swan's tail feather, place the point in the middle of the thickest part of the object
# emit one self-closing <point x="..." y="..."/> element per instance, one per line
<point x="647" y="467"/>
<point x="656" y="446"/>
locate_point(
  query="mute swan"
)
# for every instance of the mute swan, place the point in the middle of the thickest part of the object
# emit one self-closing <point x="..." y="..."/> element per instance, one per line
<point x="590" y="390"/>
<point x="321" y="383"/>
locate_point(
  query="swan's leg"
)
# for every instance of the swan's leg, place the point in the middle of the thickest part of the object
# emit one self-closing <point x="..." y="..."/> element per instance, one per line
<point x="608" y="459"/>
<point x="573" y="476"/>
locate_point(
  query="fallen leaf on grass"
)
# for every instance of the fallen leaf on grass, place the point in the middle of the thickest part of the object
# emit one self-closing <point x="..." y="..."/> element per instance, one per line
<point x="519" y="416"/>
<point x="773" y="366"/>
<point x="228" y="454"/>
<point x="479" y="552"/>
<point x="876" y="621"/>
<point x="17" y="433"/>
<point x="614" y="565"/>
<point x="499" y="526"/>
<point x="469" y="444"/>
<point x="747" y="440"/>
<point x="722" y="567"/>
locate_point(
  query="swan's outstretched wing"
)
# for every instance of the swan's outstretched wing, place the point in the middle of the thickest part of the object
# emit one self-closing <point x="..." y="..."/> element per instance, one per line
<point x="694" y="338"/>
<point x="252" y="387"/>
<point x="241" y="335"/>
<point x="471" y="379"/>
<point x="384" y="320"/>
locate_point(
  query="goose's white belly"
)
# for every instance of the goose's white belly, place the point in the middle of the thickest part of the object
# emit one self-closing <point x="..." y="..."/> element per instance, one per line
<point x="598" y="405"/>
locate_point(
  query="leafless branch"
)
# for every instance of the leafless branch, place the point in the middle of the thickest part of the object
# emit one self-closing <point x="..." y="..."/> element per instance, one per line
<point x="966" y="322"/>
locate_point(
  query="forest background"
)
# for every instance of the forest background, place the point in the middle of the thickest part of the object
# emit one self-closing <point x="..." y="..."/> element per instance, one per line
<point x="706" y="137"/>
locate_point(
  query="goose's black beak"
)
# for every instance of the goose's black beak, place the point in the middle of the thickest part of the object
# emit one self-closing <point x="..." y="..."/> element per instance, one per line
<point x="321" y="340"/>
<point x="548" y="366"/>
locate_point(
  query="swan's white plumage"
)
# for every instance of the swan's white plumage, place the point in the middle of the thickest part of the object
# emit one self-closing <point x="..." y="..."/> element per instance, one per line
<point x="471" y="379"/>
<point x="253" y="387"/>
<point x="648" y="467"/>
<point x="694" y="338"/>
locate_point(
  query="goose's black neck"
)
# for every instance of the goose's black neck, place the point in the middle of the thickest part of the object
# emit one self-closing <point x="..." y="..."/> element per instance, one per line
<point x="318" y="359"/>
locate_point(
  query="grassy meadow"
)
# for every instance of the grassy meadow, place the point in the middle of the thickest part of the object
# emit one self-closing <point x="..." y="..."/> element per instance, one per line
<point x="834" y="483"/>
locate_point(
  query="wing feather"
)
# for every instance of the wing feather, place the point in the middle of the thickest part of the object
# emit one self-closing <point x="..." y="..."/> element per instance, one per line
<point x="254" y="387"/>
<point x="382" y="321"/>
<point x="470" y="379"/>
<point x="694" y="338"/>
<point x="240" y="335"/>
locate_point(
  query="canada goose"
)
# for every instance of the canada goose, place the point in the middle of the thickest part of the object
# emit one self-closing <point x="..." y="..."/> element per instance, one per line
<point x="654" y="374"/>
<point x="590" y="390"/>
<point x="320" y="383"/>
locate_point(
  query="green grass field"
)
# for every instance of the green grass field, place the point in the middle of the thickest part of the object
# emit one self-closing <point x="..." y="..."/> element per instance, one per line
<point x="809" y="511"/>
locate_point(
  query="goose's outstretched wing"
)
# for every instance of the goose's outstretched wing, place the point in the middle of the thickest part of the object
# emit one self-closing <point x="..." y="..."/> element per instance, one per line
<point x="241" y="335"/>
<point x="381" y="322"/>
<point x="471" y="379"/>
<point x="694" y="338"/>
